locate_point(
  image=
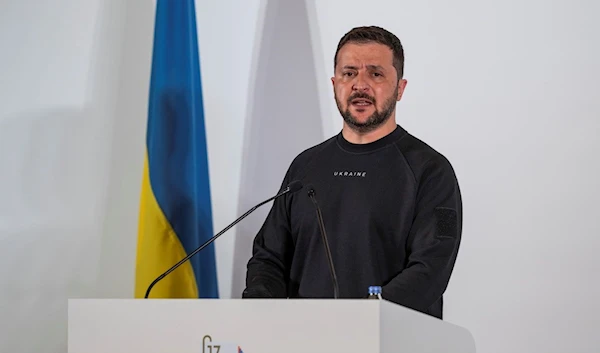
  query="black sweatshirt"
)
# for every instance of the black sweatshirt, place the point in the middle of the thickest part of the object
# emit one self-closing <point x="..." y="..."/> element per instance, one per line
<point x="393" y="216"/>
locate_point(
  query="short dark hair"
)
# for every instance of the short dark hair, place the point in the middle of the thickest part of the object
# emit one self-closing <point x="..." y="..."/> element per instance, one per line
<point x="375" y="34"/>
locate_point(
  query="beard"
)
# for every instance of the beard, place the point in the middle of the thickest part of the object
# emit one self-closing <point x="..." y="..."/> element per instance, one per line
<point x="378" y="118"/>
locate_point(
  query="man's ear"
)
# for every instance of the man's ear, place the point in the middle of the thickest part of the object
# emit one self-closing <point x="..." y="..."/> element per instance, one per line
<point x="401" y="86"/>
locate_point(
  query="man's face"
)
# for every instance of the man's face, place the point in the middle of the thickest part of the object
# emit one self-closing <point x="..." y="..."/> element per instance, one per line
<point x="366" y="85"/>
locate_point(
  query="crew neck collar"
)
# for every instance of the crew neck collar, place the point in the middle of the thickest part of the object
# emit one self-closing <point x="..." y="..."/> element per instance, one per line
<point x="371" y="146"/>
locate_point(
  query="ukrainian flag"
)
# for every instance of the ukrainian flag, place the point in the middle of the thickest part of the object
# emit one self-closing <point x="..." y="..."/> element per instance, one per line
<point x="175" y="210"/>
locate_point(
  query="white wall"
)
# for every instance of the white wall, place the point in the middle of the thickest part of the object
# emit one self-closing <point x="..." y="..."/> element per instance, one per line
<point x="60" y="74"/>
<point x="504" y="89"/>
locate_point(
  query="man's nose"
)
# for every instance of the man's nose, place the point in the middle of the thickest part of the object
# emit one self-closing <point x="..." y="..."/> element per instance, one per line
<point x="361" y="84"/>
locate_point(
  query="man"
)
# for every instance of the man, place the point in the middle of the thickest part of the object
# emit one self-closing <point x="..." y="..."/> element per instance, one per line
<point x="391" y="204"/>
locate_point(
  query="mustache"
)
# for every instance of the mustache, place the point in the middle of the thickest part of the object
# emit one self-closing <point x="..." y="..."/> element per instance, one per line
<point x="361" y="95"/>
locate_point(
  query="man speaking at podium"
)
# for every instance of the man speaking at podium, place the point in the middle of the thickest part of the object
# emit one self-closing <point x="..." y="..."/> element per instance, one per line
<point x="379" y="207"/>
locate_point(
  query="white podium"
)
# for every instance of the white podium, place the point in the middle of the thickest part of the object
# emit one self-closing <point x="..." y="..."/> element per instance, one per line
<point x="257" y="326"/>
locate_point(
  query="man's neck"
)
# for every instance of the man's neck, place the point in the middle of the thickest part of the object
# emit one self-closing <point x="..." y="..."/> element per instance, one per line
<point x="356" y="137"/>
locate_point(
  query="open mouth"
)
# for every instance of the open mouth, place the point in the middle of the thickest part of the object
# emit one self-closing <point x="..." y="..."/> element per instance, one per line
<point x="361" y="102"/>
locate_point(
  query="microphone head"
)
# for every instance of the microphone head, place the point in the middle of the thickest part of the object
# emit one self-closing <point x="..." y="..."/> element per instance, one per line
<point x="295" y="185"/>
<point x="310" y="190"/>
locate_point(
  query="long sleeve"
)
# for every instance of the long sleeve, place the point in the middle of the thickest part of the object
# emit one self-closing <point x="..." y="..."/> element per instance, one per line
<point x="433" y="241"/>
<point x="268" y="268"/>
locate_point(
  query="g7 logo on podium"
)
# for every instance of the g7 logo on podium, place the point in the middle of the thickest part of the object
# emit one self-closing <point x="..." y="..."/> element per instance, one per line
<point x="208" y="346"/>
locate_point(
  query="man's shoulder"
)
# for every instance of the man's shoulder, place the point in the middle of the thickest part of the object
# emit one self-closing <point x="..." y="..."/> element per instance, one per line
<point x="310" y="155"/>
<point x="421" y="156"/>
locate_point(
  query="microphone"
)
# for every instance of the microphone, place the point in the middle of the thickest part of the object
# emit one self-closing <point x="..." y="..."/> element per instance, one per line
<point x="311" y="194"/>
<point x="291" y="188"/>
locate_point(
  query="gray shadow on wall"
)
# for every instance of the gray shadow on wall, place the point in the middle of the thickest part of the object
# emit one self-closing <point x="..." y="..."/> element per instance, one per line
<point x="116" y="277"/>
<point x="48" y="222"/>
<point x="284" y="118"/>
<point x="53" y="184"/>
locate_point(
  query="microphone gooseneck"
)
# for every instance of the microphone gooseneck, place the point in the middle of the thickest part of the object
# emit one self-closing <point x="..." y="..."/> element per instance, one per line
<point x="291" y="188"/>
